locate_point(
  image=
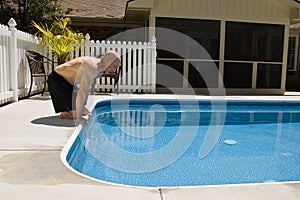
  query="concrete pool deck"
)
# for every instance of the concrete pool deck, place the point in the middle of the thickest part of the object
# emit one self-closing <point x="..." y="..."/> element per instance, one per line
<point x="31" y="140"/>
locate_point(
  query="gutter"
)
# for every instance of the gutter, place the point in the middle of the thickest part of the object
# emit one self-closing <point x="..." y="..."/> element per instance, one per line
<point x="295" y="3"/>
<point x="126" y="8"/>
<point x="296" y="21"/>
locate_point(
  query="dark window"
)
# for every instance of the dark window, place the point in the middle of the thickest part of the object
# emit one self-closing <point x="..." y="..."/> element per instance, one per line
<point x="237" y="75"/>
<point x="203" y="74"/>
<point x="254" y="42"/>
<point x="169" y="73"/>
<point x="204" y="32"/>
<point x="269" y="76"/>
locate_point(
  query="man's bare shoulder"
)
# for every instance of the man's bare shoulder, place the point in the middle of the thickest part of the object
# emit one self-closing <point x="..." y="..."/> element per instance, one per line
<point x="90" y="62"/>
<point x="90" y="59"/>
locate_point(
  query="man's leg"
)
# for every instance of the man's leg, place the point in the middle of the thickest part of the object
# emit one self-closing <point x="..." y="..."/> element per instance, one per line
<point x="61" y="94"/>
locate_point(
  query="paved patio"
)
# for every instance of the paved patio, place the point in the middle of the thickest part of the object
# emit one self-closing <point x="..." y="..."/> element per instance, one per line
<point x="30" y="167"/>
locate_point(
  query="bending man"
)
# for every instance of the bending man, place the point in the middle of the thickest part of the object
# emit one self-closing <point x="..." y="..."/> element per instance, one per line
<point x="70" y="83"/>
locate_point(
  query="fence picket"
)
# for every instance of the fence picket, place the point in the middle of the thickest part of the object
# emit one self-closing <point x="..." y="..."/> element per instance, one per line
<point x="139" y="68"/>
<point x="129" y="60"/>
<point x="134" y="68"/>
<point x="124" y="67"/>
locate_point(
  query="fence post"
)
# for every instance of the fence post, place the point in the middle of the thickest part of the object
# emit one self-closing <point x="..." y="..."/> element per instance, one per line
<point x="153" y="64"/>
<point x="12" y="58"/>
<point x="87" y="45"/>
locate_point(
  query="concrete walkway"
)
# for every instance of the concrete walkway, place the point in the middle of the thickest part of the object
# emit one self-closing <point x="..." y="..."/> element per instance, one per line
<point x="32" y="137"/>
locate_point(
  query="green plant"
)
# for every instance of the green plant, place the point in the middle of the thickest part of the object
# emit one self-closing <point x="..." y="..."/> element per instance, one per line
<point x="59" y="38"/>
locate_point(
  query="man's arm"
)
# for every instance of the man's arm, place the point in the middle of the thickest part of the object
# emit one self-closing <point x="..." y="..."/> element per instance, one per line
<point x="81" y="98"/>
<point x="86" y="73"/>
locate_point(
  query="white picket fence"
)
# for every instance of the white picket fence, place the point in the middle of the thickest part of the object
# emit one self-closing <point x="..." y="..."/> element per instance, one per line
<point x="137" y="68"/>
<point x="138" y="72"/>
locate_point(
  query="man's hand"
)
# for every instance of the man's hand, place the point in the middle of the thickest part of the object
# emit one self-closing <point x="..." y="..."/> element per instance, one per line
<point x="82" y="121"/>
<point x="86" y="112"/>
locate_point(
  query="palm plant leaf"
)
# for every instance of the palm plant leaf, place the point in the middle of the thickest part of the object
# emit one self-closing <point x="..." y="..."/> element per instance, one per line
<point x="60" y="39"/>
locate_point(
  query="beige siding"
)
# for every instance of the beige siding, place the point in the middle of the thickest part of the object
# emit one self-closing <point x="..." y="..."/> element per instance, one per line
<point x="242" y="10"/>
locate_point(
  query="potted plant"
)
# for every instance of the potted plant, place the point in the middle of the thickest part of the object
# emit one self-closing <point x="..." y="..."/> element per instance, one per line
<point x="59" y="38"/>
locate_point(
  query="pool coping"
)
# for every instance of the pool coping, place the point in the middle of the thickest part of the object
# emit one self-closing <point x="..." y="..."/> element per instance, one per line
<point x="73" y="137"/>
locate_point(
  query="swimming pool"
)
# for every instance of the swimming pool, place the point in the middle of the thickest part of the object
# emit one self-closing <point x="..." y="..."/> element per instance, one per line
<point x="172" y="143"/>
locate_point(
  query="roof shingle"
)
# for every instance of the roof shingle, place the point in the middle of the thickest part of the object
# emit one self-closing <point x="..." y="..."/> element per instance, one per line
<point x="105" y="9"/>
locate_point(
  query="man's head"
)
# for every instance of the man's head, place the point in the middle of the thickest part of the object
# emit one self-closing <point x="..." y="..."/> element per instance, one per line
<point x="110" y="61"/>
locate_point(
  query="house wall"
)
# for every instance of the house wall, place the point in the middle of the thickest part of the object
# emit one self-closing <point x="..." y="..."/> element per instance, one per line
<point x="256" y="11"/>
<point x="275" y="11"/>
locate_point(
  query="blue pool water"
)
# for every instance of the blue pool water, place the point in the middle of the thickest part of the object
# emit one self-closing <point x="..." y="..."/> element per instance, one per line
<point x="189" y="143"/>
